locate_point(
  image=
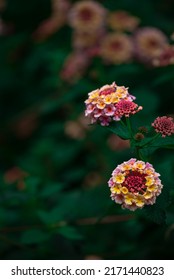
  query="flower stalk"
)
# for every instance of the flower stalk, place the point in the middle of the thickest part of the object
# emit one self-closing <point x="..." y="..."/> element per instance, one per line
<point x="134" y="183"/>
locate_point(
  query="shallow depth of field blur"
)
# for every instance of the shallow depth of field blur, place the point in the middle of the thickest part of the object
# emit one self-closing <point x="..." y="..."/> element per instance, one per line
<point x="54" y="167"/>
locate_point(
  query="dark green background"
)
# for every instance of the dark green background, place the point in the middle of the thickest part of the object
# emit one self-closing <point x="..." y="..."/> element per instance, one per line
<point x="48" y="219"/>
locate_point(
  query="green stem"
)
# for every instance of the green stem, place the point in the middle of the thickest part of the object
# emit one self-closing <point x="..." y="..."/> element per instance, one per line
<point x="123" y="124"/>
<point x="138" y="152"/>
<point x="139" y="148"/>
<point x="129" y="126"/>
<point x="142" y="157"/>
<point x="150" y="141"/>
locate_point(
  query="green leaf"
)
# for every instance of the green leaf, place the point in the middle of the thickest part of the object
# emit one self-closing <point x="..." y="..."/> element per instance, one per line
<point x="144" y="141"/>
<point x="167" y="141"/>
<point x="32" y="184"/>
<point x="163" y="201"/>
<point x="49" y="217"/>
<point x="34" y="236"/>
<point x="119" y="129"/>
<point x="44" y="216"/>
<point x="141" y="143"/>
<point x="147" y="151"/>
<point x="51" y="189"/>
<point x="69" y="232"/>
<point x="43" y="147"/>
<point x="165" y="168"/>
<point x="152" y="145"/>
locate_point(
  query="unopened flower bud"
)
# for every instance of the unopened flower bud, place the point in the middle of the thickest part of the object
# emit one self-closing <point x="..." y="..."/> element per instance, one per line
<point x="138" y="136"/>
<point x="143" y="129"/>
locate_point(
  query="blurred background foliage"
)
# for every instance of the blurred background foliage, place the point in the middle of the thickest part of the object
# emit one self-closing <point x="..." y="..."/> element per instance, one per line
<point x="54" y="198"/>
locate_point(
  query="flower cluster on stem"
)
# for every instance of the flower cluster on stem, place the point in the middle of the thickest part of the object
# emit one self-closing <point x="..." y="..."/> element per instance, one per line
<point x="134" y="184"/>
<point x="110" y="103"/>
<point x="164" y="125"/>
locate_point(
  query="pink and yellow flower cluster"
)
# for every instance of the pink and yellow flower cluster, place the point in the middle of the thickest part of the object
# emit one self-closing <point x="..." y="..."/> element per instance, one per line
<point x="134" y="184"/>
<point x="110" y="103"/>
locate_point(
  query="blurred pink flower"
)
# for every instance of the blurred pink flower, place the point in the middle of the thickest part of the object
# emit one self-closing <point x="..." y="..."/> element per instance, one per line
<point x="74" y="130"/>
<point x="87" y="39"/>
<point x="134" y="184"/>
<point x="16" y="175"/>
<point x="87" y="16"/>
<point x="122" y="21"/>
<point x="60" y="5"/>
<point x="149" y="43"/>
<point x="92" y="180"/>
<point x="164" y="125"/>
<point x="116" y="48"/>
<point x="115" y="143"/>
<point x="52" y="24"/>
<point x="26" y="125"/>
<point x="166" y="57"/>
<point x="74" y="66"/>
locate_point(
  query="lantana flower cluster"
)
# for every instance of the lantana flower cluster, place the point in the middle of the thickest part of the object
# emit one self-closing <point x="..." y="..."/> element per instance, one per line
<point x="116" y="48"/>
<point x="166" y="57"/>
<point x="113" y="36"/>
<point x="87" y="15"/>
<point x="110" y="103"/>
<point x="121" y="20"/>
<point x="164" y="125"/>
<point x="149" y="43"/>
<point x="134" y="184"/>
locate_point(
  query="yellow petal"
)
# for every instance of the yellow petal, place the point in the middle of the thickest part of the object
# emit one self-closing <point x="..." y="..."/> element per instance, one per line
<point x="128" y="200"/>
<point x="149" y="180"/>
<point x="116" y="189"/>
<point x="139" y="203"/>
<point x="119" y="178"/>
<point x="152" y="188"/>
<point x="139" y="164"/>
<point x="108" y="99"/>
<point x="124" y="190"/>
<point x="100" y="104"/>
<point x="147" y="195"/>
